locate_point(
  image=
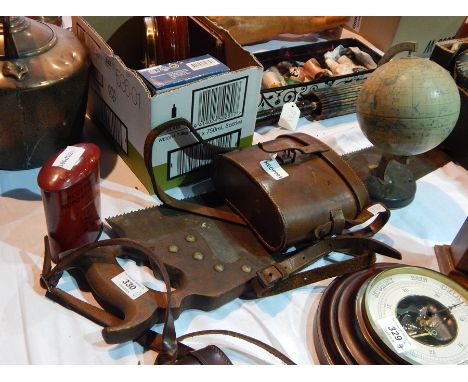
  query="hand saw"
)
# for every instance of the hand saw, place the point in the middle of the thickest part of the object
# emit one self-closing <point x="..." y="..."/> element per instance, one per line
<point x="211" y="262"/>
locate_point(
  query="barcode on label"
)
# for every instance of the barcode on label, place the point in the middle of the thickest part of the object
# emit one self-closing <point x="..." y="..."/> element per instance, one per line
<point x="192" y="157"/>
<point x="356" y="23"/>
<point x="109" y="120"/>
<point x="202" y="64"/>
<point x="219" y="103"/>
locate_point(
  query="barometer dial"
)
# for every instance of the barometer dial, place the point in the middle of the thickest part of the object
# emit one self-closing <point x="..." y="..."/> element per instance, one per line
<point x="419" y="315"/>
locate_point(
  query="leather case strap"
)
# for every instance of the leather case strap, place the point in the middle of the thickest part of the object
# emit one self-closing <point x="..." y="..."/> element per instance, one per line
<point x="285" y="275"/>
<point x="243" y="337"/>
<point x="183" y="204"/>
<point x="209" y="355"/>
<point x="340" y="166"/>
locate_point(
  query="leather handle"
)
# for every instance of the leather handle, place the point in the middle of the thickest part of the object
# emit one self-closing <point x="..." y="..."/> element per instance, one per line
<point x="184" y="205"/>
<point x="278" y="147"/>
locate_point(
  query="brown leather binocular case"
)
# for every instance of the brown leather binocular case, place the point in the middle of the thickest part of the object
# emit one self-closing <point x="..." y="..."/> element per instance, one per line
<point x="317" y="196"/>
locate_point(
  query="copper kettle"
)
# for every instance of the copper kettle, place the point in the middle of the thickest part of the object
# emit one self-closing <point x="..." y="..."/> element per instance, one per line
<point x="44" y="72"/>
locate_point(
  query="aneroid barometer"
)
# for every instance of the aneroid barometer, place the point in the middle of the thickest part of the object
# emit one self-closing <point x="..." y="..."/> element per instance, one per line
<point x="392" y="314"/>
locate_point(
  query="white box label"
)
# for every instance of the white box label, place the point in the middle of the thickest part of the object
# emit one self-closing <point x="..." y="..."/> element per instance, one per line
<point x="202" y="64"/>
<point x="395" y="333"/>
<point x="273" y="168"/>
<point x="69" y="157"/>
<point x="130" y="287"/>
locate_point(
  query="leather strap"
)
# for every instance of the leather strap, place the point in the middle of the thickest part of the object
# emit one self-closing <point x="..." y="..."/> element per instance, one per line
<point x="209" y="355"/>
<point x="283" y="276"/>
<point x="50" y="277"/>
<point x="243" y="337"/>
<point x="274" y="146"/>
<point x="341" y="167"/>
<point x="184" y="205"/>
<point x="372" y="228"/>
<point x="170" y="349"/>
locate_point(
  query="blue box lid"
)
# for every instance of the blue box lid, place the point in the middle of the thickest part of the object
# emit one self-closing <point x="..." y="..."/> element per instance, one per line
<point x="181" y="72"/>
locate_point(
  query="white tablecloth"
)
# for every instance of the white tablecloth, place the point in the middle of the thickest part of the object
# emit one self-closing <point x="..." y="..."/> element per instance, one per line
<point x="35" y="330"/>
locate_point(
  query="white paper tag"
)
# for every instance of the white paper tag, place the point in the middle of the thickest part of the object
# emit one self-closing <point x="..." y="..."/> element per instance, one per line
<point x="395" y="333"/>
<point x="273" y="168"/>
<point x="69" y="157"/>
<point x="289" y="116"/>
<point x="376" y="208"/>
<point x="130" y="287"/>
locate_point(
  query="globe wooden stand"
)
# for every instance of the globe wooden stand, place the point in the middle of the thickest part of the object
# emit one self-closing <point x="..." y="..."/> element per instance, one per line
<point x="453" y="259"/>
<point x="368" y="162"/>
<point x="391" y="182"/>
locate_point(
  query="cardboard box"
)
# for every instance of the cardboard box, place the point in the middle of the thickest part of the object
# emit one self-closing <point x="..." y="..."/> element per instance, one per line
<point x="121" y="103"/>
<point x="386" y="31"/>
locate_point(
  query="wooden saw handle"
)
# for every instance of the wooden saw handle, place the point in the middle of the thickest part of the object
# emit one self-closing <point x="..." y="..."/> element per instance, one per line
<point x="97" y="261"/>
<point x="139" y="314"/>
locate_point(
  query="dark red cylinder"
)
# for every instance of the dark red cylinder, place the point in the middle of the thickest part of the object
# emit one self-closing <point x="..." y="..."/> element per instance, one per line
<point x="69" y="183"/>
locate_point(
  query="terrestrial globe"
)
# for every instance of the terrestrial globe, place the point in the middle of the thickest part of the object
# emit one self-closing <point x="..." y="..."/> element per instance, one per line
<point x="406" y="107"/>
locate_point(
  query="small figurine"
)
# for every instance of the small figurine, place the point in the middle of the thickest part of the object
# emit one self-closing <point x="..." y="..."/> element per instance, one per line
<point x="272" y="78"/>
<point x="360" y="57"/>
<point x="315" y="71"/>
<point x="284" y="67"/>
<point x="293" y="72"/>
<point x="340" y="64"/>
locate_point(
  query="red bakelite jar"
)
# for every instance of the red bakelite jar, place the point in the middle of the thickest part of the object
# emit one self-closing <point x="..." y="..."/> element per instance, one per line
<point x="69" y="182"/>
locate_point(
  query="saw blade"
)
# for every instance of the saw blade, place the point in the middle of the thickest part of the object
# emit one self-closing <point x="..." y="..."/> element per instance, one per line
<point x="209" y="261"/>
<point x="364" y="160"/>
